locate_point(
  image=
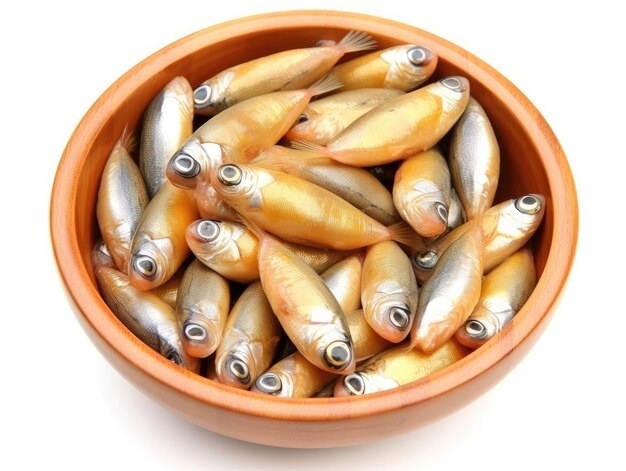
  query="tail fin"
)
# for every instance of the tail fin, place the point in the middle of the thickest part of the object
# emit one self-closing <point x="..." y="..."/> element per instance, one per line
<point x="326" y="84"/>
<point x="357" y="41"/>
<point x="127" y="140"/>
<point x="403" y="233"/>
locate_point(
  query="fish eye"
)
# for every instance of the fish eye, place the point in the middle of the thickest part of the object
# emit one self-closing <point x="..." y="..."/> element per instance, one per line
<point x="195" y="332"/>
<point x="186" y="166"/>
<point x="145" y="266"/>
<point x="202" y="95"/>
<point x="354" y="384"/>
<point x="229" y="175"/>
<point x="418" y="56"/>
<point x="399" y="317"/>
<point x="338" y="355"/>
<point x="269" y="383"/>
<point x="209" y="230"/>
<point x="528" y="204"/>
<point x="453" y="83"/>
<point x="442" y="211"/>
<point x="237" y="368"/>
<point x="302" y="118"/>
<point x="476" y="329"/>
<point x="426" y="260"/>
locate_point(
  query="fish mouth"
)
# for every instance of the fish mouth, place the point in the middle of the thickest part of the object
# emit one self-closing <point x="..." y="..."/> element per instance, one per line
<point x="202" y="97"/>
<point x="269" y="383"/>
<point x="354" y="384"/>
<point x="338" y="355"/>
<point x="237" y="368"/>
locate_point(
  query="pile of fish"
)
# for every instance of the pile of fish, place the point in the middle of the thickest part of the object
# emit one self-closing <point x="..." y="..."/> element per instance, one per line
<point x="328" y="230"/>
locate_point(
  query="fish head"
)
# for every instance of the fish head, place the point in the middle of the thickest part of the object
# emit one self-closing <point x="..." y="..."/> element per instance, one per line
<point x="199" y="333"/>
<point x="333" y="346"/>
<point x="193" y="162"/>
<point x="207" y="238"/>
<point x="210" y="97"/>
<point x="363" y="382"/>
<point x="149" y="262"/>
<point x="409" y="65"/>
<point x="305" y="127"/>
<point x="423" y="264"/>
<point x="454" y="89"/>
<point x="236" y="363"/>
<point x="238" y="184"/>
<point x="425" y="209"/>
<point x="100" y="256"/>
<point x="391" y="311"/>
<point x="519" y="216"/>
<point x="277" y="382"/>
<point x="480" y="327"/>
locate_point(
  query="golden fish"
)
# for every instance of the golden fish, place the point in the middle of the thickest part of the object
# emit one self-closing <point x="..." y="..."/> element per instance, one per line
<point x="401" y="67"/>
<point x="474" y="159"/>
<point x="355" y="185"/>
<point x="286" y="70"/>
<point x="398" y="366"/>
<point x="299" y="211"/>
<point x="506" y="227"/>
<point x="159" y="248"/>
<point x="305" y="307"/>
<point x="325" y="118"/>
<point x="294" y="376"/>
<point x="451" y="293"/>
<point x="167" y="123"/>
<point x="388" y="291"/>
<point x="504" y="291"/>
<point x="239" y="133"/>
<point x="421" y="192"/>
<point x="146" y="315"/>
<point x="344" y="281"/>
<point x="232" y="250"/>
<point x="250" y="339"/>
<point x="398" y="128"/>
<point x="122" y="198"/>
<point x="201" y="309"/>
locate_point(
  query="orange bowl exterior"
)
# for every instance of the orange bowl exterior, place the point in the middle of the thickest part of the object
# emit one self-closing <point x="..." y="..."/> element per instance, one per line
<point x="533" y="161"/>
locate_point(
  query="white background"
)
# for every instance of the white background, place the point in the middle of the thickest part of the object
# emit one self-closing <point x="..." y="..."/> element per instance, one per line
<point x="63" y="405"/>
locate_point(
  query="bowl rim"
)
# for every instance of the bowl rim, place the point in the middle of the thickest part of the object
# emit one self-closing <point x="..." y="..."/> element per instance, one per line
<point x="103" y="322"/>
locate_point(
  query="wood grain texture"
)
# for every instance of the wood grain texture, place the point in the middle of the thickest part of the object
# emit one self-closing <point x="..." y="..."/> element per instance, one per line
<point x="532" y="161"/>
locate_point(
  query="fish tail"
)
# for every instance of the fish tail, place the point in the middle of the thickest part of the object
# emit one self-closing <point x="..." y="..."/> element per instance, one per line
<point x="357" y="41"/>
<point x="127" y="140"/>
<point x="311" y="149"/>
<point x="404" y="234"/>
<point x="327" y="83"/>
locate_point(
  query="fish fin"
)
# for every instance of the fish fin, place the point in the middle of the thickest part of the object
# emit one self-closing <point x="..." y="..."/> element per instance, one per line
<point x="404" y="234"/>
<point x="357" y="41"/>
<point x="269" y="162"/>
<point x="258" y="232"/>
<point x="326" y="84"/>
<point x="310" y="147"/>
<point x="127" y="140"/>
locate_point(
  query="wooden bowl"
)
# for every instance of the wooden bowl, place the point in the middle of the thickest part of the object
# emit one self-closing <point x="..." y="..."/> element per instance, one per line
<point x="532" y="161"/>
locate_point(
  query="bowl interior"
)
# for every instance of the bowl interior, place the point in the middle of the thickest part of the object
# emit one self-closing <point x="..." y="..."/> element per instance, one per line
<point x="532" y="162"/>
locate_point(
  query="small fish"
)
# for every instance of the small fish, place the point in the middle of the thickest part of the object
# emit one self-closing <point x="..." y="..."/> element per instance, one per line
<point x="250" y="339"/>
<point x="325" y="118"/>
<point x="398" y="366"/>
<point x="344" y="281"/>
<point x="232" y="250"/>
<point x="239" y="133"/>
<point x="388" y="291"/>
<point x="122" y="198"/>
<point x="451" y="293"/>
<point x="299" y="211"/>
<point x="474" y="159"/>
<point x="201" y="309"/>
<point x="421" y="192"/>
<point x="402" y="67"/>
<point x="504" y="291"/>
<point x="146" y="315"/>
<point x="167" y="123"/>
<point x="355" y="185"/>
<point x="295" y="376"/>
<point x="506" y="226"/>
<point x="398" y="128"/>
<point x="305" y="307"/>
<point x="286" y="70"/>
<point x="158" y="247"/>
